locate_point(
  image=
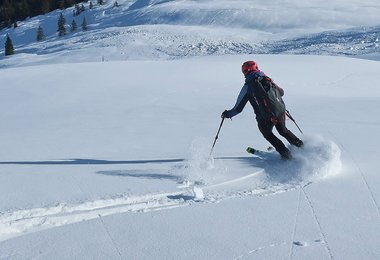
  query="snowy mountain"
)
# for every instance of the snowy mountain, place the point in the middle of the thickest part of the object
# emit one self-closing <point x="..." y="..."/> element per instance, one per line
<point x="106" y="134"/>
<point x="176" y="29"/>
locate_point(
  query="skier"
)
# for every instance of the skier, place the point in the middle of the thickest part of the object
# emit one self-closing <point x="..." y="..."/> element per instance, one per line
<point x="266" y="99"/>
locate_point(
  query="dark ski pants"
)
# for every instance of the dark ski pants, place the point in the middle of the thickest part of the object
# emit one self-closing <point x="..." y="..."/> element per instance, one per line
<point x="266" y="128"/>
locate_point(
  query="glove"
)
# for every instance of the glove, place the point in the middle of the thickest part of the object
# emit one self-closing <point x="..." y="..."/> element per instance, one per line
<point x="225" y="114"/>
<point x="273" y="120"/>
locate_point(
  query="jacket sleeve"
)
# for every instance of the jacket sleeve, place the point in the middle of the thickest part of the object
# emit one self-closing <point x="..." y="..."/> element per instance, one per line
<point x="240" y="103"/>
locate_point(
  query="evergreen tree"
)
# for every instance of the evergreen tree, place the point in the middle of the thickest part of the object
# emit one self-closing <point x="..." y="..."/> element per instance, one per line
<point x="40" y="34"/>
<point x="13" y="11"/>
<point x="8" y="11"/>
<point x="9" y="50"/>
<point x="10" y="24"/>
<point x="46" y="7"/>
<point x="61" y="25"/>
<point x="77" y="9"/>
<point x="84" y="24"/>
<point x="61" y="4"/>
<point x="23" y="10"/>
<point x="74" y="26"/>
<point x="91" y="5"/>
<point x="69" y="3"/>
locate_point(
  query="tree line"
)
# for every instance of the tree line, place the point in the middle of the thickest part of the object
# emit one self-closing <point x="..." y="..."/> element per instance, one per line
<point x="61" y="25"/>
<point x="12" y="11"/>
<point x="40" y="35"/>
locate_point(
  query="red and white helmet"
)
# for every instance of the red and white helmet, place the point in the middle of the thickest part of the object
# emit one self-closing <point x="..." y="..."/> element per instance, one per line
<point x="248" y="67"/>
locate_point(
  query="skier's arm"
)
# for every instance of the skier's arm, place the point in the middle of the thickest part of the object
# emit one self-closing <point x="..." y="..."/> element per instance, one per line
<point x="240" y="103"/>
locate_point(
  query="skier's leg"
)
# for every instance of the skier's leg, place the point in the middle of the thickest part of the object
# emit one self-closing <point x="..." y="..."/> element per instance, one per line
<point x="285" y="132"/>
<point x="266" y="130"/>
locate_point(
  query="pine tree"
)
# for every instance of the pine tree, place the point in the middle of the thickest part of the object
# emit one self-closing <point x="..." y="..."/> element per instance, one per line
<point x="61" y="4"/>
<point x="61" y="25"/>
<point x="84" y="24"/>
<point x="8" y="12"/>
<point x="24" y="10"/>
<point x="40" y="34"/>
<point x="69" y="3"/>
<point x="46" y="7"/>
<point x="77" y="9"/>
<point x="74" y="26"/>
<point x="91" y="5"/>
<point x="9" y="50"/>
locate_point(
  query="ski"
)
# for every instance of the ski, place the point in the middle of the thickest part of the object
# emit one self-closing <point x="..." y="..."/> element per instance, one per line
<point x="256" y="151"/>
<point x="268" y="152"/>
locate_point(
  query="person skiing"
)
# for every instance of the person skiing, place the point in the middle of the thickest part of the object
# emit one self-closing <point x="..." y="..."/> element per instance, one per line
<point x="266" y="99"/>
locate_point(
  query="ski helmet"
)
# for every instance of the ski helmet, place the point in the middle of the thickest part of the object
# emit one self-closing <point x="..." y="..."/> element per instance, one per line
<point x="249" y="66"/>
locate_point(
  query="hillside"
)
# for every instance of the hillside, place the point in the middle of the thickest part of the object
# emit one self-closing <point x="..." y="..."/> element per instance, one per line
<point x="102" y="165"/>
<point x="106" y="134"/>
<point x="176" y="29"/>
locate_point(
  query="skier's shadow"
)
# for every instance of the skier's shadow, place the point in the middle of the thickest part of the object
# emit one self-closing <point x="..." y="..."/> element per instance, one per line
<point x="135" y="173"/>
<point x="144" y="174"/>
<point x="90" y="161"/>
<point x="276" y="169"/>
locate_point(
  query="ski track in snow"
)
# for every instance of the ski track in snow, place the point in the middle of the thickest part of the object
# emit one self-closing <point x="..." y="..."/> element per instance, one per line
<point x="22" y="222"/>
<point x="30" y="220"/>
<point x="262" y="182"/>
<point x="256" y="250"/>
<point x="26" y="221"/>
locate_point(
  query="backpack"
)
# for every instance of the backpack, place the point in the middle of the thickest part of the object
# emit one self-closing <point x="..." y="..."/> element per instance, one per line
<point x="268" y="97"/>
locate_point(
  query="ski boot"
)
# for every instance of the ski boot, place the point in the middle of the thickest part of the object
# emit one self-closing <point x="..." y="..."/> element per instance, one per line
<point x="298" y="143"/>
<point x="285" y="154"/>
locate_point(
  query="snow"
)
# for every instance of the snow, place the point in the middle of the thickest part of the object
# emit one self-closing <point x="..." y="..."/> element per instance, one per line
<point x="152" y="30"/>
<point x="114" y="164"/>
<point x="111" y="160"/>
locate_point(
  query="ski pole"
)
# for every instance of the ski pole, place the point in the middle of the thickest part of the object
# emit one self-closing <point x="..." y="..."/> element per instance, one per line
<point x="216" y="137"/>
<point x="294" y="121"/>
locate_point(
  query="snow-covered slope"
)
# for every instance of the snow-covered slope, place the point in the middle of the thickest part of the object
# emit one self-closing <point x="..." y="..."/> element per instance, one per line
<point x="100" y="162"/>
<point x="274" y="16"/>
<point x="175" y="29"/>
<point x="111" y="160"/>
